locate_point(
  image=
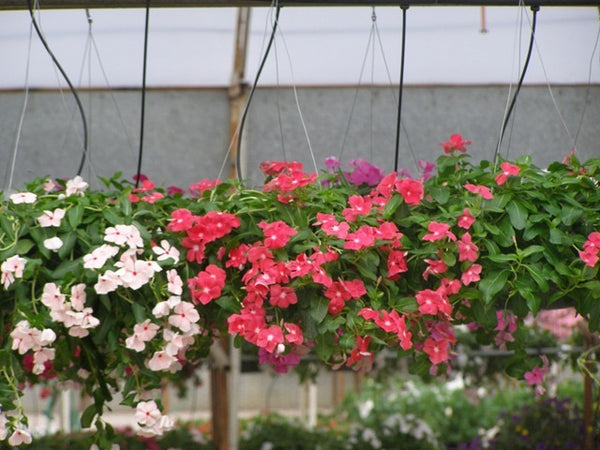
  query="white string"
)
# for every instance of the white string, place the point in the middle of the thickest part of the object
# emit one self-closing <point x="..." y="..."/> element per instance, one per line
<point x="234" y="137"/>
<point x="287" y="52"/>
<point x="8" y="185"/>
<point x="515" y="58"/>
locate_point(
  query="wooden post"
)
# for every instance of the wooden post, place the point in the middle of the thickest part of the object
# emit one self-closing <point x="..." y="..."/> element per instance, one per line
<point x="218" y="393"/>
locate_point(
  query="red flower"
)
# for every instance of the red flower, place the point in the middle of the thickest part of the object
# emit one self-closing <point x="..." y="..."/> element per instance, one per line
<point x="437" y="350"/>
<point x="438" y="231"/>
<point x="199" y="188"/>
<point x="273" y="168"/>
<point x="331" y="226"/>
<point x="411" y="190"/>
<point x="364" y="237"/>
<point x="294" y="334"/>
<point x="432" y="302"/>
<point x="466" y="220"/>
<point x="396" y="263"/>
<point x="277" y="234"/>
<point x="456" y="143"/>
<point x="195" y="249"/>
<point x="207" y="285"/>
<point x="182" y="220"/>
<point x="467" y="250"/>
<point x="237" y="257"/>
<point x="270" y="338"/>
<point x="484" y="191"/>
<point x="471" y="275"/>
<point x="282" y="296"/>
<point x="508" y="170"/>
<point x="434" y="267"/>
<point x="360" y="356"/>
<point x="589" y="256"/>
<point x="359" y="206"/>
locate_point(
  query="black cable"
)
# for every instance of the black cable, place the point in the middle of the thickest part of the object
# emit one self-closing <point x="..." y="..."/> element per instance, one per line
<point x="143" y="109"/>
<point x="400" y="89"/>
<point x="71" y="87"/>
<point x="535" y="9"/>
<point x="238" y="156"/>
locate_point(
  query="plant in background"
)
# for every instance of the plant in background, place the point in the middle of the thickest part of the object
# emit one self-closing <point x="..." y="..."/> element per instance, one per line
<point x="123" y="289"/>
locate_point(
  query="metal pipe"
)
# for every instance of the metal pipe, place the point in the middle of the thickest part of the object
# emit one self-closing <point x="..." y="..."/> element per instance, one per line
<point x="108" y="4"/>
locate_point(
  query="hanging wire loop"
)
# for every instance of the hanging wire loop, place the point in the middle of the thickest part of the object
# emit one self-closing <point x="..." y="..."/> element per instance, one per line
<point x="71" y="87"/>
<point x="400" y="88"/>
<point x="238" y="156"/>
<point x="535" y="10"/>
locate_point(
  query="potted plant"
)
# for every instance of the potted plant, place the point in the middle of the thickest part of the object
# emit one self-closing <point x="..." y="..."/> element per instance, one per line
<point x="123" y="288"/>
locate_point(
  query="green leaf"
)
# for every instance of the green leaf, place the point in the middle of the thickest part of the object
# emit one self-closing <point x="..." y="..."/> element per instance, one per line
<point x="391" y="206"/>
<point x="66" y="267"/>
<point x="569" y="215"/>
<point x="318" y="308"/>
<point x="440" y="194"/>
<point x="228" y="303"/>
<point x="69" y="240"/>
<point x="493" y="283"/>
<point x="75" y="215"/>
<point x="531" y="250"/>
<point x="503" y="257"/>
<point x="111" y="217"/>
<point x="23" y="246"/>
<point x="507" y="233"/>
<point x="367" y="265"/>
<point x="88" y="416"/>
<point x="518" y="214"/>
<point x="538" y="277"/>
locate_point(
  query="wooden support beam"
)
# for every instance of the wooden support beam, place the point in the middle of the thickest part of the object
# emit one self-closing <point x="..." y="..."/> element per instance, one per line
<point x="111" y="4"/>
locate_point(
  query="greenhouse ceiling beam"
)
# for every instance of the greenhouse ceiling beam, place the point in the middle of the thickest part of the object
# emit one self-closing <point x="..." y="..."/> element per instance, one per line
<point x="79" y="4"/>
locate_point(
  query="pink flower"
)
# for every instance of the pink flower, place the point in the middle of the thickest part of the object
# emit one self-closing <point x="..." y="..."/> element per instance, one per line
<point x="331" y="226"/>
<point x="484" y="191"/>
<point x="364" y="173"/>
<point x="455" y="144"/>
<point x="52" y="297"/>
<point x="78" y="296"/>
<point x="467" y="250"/>
<point x="145" y="330"/>
<point x="174" y="283"/>
<point x="19" y="437"/>
<point x="396" y="263"/>
<point x="364" y="237"/>
<point x="51" y="218"/>
<point x="438" y="231"/>
<point x="508" y="170"/>
<point x="411" y="190"/>
<point x="466" y="220"/>
<point x="293" y="334"/>
<point x="471" y="275"/>
<point x="76" y="186"/>
<point x="124" y="234"/>
<point x="107" y="282"/>
<point x="535" y="377"/>
<point x="199" y="188"/>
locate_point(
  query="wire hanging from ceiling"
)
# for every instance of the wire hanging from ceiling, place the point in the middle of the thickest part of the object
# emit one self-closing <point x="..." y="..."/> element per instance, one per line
<point x="143" y="100"/>
<point x="68" y="81"/>
<point x="238" y="156"/>
<point x="400" y="88"/>
<point x="10" y="168"/>
<point x="535" y="10"/>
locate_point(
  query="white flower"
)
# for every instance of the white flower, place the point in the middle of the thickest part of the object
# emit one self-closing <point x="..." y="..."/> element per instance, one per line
<point x="175" y="285"/>
<point x="76" y="186"/>
<point x="52" y="297"/>
<point x="23" y="197"/>
<point x="3" y="430"/>
<point x="161" y="309"/>
<point x="161" y="361"/>
<point x="184" y="315"/>
<point x="78" y="297"/>
<point x="165" y="251"/>
<point x="51" y="218"/>
<point x="99" y="256"/>
<point x="12" y="268"/>
<point x="47" y="336"/>
<point x="53" y="243"/>
<point x="134" y="273"/>
<point x="24" y="337"/>
<point x="19" y="437"/>
<point x="107" y="282"/>
<point x="121" y="234"/>
<point x="147" y="413"/>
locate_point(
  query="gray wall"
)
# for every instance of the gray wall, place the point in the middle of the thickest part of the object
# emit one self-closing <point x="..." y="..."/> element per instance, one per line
<point x="187" y="132"/>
